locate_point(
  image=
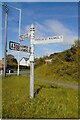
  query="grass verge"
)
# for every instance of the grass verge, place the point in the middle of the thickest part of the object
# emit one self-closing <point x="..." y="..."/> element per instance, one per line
<point x="50" y="101"/>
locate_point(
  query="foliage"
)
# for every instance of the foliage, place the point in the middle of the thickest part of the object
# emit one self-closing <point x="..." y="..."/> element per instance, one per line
<point x="51" y="101"/>
<point x="64" y="67"/>
<point x="77" y="43"/>
<point x="68" y="56"/>
<point x="39" y="61"/>
<point x="11" y="61"/>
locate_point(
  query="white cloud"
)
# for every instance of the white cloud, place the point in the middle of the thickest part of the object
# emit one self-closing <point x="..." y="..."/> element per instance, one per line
<point x="48" y="51"/>
<point x="52" y="28"/>
<point x="57" y="27"/>
<point x="40" y="30"/>
<point x="19" y="55"/>
<point x="60" y="29"/>
<point x="25" y="29"/>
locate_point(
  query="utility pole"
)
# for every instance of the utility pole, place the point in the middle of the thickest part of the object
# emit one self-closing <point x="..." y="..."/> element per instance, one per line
<point x="18" y="70"/>
<point x="32" y="33"/>
<point x="19" y="32"/>
<point x="5" y="39"/>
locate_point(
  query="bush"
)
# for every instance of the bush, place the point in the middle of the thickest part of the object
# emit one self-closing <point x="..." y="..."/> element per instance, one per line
<point x="69" y="56"/>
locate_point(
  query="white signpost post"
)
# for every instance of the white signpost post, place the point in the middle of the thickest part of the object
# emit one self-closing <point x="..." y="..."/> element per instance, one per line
<point x="34" y="41"/>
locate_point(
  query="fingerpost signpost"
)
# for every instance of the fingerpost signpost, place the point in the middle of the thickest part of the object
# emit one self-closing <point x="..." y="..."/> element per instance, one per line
<point x="34" y="41"/>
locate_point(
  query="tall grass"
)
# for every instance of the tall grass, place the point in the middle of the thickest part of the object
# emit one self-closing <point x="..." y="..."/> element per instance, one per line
<point x="50" y="101"/>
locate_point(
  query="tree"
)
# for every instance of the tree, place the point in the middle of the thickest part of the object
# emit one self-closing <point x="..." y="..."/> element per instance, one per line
<point x="11" y="61"/>
<point x="73" y="49"/>
<point x="69" y="56"/>
<point x="77" y="43"/>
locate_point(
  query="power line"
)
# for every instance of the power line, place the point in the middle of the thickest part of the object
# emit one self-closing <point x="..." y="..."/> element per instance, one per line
<point x="3" y="4"/>
<point x="14" y="7"/>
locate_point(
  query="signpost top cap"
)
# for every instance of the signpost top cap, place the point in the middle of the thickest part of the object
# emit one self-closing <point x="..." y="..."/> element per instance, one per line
<point x="32" y="28"/>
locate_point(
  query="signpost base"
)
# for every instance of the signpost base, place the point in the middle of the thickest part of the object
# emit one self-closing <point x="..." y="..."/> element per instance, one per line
<point x="32" y="80"/>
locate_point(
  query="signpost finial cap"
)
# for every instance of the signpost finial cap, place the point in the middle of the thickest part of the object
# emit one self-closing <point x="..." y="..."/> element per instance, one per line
<point x="32" y="28"/>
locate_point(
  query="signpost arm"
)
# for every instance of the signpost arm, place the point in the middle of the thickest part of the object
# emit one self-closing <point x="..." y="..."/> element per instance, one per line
<point x="32" y="30"/>
<point x="5" y="40"/>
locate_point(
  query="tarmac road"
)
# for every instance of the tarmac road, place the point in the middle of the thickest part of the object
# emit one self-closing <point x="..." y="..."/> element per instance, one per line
<point x="15" y="73"/>
<point x="47" y="81"/>
<point x="62" y="84"/>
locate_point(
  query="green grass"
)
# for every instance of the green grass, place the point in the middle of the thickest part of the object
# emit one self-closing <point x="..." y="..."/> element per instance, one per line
<point x="67" y="73"/>
<point x="0" y="97"/>
<point x="50" y="101"/>
<point x="63" y="68"/>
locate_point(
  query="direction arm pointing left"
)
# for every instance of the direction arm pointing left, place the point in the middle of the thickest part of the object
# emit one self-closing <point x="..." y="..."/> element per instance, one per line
<point x="22" y="37"/>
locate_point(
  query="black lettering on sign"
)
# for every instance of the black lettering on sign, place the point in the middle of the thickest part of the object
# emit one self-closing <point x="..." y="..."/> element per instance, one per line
<point x="14" y="46"/>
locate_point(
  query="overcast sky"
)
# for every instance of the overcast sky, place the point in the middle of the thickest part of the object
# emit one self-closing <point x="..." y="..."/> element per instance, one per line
<point x="50" y="19"/>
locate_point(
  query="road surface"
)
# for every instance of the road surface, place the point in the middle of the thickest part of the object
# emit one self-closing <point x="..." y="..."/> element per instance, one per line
<point x="47" y="81"/>
<point x="15" y="73"/>
<point x="61" y="83"/>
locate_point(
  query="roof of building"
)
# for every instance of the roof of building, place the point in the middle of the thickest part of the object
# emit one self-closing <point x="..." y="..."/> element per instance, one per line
<point x="48" y="60"/>
<point x="25" y="59"/>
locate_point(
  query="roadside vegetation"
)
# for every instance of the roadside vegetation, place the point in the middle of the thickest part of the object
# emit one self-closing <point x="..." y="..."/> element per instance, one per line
<point x="64" y="66"/>
<point x="0" y="97"/>
<point x="50" y="100"/>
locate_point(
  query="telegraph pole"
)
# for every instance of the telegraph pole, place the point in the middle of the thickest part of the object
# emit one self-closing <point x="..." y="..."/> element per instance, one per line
<point x="18" y="70"/>
<point x="5" y="39"/>
<point x="32" y="33"/>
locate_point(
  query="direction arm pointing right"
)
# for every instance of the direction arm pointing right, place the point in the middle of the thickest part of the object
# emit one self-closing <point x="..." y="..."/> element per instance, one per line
<point x="53" y="39"/>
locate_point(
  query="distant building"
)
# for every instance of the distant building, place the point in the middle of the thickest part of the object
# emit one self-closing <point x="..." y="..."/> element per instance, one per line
<point x="1" y="66"/>
<point x="48" y="60"/>
<point x="24" y="62"/>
